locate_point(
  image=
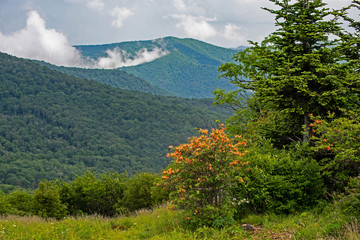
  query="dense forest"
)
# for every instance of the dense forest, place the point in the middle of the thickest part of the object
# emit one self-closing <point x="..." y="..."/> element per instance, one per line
<point x="115" y="78"/>
<point x="188" y="70"/>
<point x="54" y="125"/>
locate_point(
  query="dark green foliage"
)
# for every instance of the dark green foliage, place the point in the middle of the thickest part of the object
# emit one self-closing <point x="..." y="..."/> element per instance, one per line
<point x="115" y="78"/>
<point x="4" y="206"/>
<point x="6" y="188"/>
<point x="138" y="193"/>
<point x="296" y="70"/>
<point x="53" y="125"/>
<point x="336" y="145"/>
<point x="189" y="70"/>
<point x="350" y="39"/>
<point x="348" y="204"/>
<point x="91" y="195"/>
<point x="47" y="202"/>
<point x="279" y="180"/>
<point x="159" y="195"/>
<point x="107" y="195"/>
<point x="20" y="202"/>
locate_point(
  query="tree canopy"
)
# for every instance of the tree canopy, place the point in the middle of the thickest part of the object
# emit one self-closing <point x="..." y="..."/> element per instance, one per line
<point x="297" y="70"/>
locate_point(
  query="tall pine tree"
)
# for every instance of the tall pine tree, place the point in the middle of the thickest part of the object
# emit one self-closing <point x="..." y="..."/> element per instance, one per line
<point x="297" y="70"/>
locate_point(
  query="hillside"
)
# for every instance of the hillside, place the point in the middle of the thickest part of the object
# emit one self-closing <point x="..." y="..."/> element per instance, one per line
<point x="188" y="70"/>
<point x="115" y="78"/>
<point x="53" y="125"/>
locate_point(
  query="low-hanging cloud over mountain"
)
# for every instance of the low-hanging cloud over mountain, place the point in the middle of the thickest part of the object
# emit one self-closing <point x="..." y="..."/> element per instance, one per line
<point x="119" y="58"/>
<point x="37" y="42"/>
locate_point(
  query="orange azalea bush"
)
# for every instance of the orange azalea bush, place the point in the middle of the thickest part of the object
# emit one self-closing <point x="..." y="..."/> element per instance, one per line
<point x="201" y="175"/>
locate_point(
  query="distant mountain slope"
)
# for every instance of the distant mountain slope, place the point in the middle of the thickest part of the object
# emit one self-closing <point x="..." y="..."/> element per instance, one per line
<point x="188" y="70"/>
<point x="115" y="78"/>
<point x="53" y="125"/>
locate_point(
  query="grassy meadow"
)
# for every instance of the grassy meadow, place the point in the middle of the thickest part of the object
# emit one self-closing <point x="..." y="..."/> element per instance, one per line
<point x="161" y="223"/>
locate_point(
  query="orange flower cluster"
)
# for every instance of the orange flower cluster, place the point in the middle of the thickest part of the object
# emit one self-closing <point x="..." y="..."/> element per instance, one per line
<point x="206" y="161"/>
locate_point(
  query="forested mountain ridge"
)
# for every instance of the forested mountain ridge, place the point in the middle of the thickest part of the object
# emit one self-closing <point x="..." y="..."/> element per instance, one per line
<point x="53" y="125"/>
<point x="113" y="77"/>
<point x="190" y="69"/>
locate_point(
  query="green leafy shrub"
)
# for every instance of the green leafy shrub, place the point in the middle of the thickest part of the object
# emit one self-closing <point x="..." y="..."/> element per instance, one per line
<point x="337" y="147"/>
<point x="283" y="181"/>
<point x="348" y="203"/>
<point x="137" y="194"/>
<point x="159" y="194"/>
<point x="20" y="202"/>
<point x="47" y="201"/>
<point x="91" y="195"/>
<point x="4" y="205"/>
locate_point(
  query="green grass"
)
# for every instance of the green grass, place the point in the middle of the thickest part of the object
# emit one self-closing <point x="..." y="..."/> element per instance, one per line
<point x="157" y="224"/>
<point x="161" y="224"/>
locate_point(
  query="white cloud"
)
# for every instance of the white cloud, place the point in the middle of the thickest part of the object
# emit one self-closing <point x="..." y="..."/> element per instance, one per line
<point x="120" y="14"/>
<point x="95" y="4"/>
<point x="119" y="58"/>
<point x="180" y="5"/>
<point x="35" y="41"/>
<point x="197" y="27"/>
<point x="235" y="34"/>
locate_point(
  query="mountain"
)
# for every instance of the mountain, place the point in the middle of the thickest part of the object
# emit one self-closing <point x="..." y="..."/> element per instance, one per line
<point x="189" y="69"/>
<point x="112" y="77"/>
<point x="53" y="125"/>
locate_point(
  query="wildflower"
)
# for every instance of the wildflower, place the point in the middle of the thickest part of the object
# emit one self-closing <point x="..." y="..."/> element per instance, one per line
<point x="172" y="208"/>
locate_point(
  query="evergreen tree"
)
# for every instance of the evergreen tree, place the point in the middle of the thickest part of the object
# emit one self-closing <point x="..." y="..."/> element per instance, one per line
<point x="295" y="71"/>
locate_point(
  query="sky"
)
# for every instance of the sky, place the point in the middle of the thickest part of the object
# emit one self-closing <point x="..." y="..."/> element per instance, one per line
<point x="47" y="29"/>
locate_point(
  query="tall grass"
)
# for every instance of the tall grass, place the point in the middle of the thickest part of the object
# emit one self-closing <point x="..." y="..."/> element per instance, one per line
<point x="157" y="224"/>
<point x="162" y="224"/>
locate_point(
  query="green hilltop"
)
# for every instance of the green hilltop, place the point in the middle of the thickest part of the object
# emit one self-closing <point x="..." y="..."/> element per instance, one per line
<point x="53" y="125"/>
<point x="190" y="69"/>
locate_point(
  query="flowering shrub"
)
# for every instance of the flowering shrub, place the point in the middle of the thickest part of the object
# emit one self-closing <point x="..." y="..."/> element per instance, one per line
<point x="201" y="175"/>
<point x="337" y="145"/>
